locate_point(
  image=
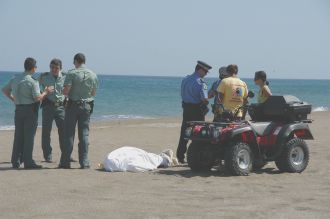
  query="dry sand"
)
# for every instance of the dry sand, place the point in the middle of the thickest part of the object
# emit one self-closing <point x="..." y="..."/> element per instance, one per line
<point x="165" y="193"/>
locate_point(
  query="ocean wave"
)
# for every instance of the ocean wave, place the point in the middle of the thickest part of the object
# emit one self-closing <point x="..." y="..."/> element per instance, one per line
<point x="7" y="128"/>
<point x="119" y="117"/>
<point x="320" y="109"/>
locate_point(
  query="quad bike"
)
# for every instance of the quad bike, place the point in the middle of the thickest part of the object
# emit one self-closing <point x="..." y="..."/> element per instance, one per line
<point x="277" y="132"/>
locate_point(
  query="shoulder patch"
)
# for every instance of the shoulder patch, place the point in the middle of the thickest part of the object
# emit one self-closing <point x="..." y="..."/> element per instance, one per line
<point x="204" y="86"/>
<point x="200" y="81"/>
<point x="36" y="76"/>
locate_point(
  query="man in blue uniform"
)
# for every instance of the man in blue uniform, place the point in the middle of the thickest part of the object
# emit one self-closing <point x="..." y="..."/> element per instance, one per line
<point x="194" y="103"/>
<point x="24" y="91"/>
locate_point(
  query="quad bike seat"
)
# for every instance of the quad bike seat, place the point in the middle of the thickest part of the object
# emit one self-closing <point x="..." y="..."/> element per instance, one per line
<point x="262" y="128"/>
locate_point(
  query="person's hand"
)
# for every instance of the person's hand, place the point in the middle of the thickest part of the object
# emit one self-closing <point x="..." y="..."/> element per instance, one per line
<point x="49" y="89"/>
<point x="211" y="94"/>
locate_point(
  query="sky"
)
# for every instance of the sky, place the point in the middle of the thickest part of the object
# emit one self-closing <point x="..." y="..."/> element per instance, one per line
<point x="287" y="39"/>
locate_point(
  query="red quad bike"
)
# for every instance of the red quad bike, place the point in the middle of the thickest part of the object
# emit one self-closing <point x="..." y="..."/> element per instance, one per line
<point x="276" y="132"/>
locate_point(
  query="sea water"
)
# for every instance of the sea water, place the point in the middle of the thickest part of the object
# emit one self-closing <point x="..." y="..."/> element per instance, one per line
<point x="144" y="97"/>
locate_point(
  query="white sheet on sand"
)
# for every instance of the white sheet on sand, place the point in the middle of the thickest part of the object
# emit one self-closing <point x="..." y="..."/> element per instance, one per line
<point x="133" y="159"/>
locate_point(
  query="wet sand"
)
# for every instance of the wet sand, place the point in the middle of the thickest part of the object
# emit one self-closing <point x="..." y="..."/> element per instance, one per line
<point x="166" y="193"/>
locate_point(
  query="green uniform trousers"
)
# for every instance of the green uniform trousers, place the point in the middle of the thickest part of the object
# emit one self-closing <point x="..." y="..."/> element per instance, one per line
<point x="49" y="114"/>
<point x="74" y="114"/>
<point x="26" y="122"/>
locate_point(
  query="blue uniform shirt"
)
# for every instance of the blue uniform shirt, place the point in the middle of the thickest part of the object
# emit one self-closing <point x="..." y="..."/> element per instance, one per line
<point x="214" y="88"/>
<point x="193" y="89"/>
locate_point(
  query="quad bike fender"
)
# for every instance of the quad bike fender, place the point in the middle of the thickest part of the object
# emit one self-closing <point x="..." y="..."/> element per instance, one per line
<point x="240" y="130"/>
<point x="250" y="137"/>
<point x="301" y="130"/>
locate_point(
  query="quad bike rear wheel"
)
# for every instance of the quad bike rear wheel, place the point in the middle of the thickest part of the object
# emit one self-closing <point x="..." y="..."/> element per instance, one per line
<point x="239" y="159"/>
<point x="200" y="157"/>
<point x="294" y="157"/>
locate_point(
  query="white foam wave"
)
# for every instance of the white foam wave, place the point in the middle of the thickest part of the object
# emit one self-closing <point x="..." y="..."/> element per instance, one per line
<point x="10" y="127"/>
<point x="320" y="109"/>
<point x="7" y="128"/>
<point x="120" y="117"/>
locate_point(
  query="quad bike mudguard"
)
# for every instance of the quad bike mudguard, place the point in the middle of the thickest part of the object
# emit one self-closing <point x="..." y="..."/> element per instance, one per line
<point x="239" y="130"/>
<point x="301" y="130"/>
<point x="246" y="133"/>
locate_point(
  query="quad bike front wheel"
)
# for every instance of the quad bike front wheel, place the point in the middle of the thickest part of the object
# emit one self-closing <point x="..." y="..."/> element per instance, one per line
<point x="294" y="157"/>
<point x="200" y="157"/>
<point x="238" y="159"/>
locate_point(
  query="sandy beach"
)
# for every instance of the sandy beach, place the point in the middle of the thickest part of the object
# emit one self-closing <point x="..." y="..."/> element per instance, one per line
<point x="166" y="193"/>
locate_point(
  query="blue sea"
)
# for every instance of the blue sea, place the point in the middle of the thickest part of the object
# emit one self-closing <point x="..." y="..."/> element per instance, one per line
<point x="144" y="97"/>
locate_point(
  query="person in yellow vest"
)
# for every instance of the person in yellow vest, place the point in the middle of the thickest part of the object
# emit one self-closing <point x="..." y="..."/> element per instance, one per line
<point x="260" y="79"/>
<point x="233" y="92"/>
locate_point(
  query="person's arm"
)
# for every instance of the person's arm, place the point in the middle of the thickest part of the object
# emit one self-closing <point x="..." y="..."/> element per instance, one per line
<point x="212" y="91"/>
<point x="67" y="84"/>
<point x="96" y="85"/>
<point x="204" y="95"/>
<point x="211" y="94"/>
<point x="221" y="90"/>
<point x="220" y="97"/>
<point x="36" y="92"/>
<point x="8" y="94"/>
<point x="246" y="94"/>
<point x="6" y="90"/>
<point x="266" y="91"/>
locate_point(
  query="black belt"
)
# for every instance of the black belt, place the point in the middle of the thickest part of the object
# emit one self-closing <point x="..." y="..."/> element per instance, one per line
<point x="54" y="104"/>
<point x="191" y="104"/>
<point x="24" y="105"/>
<point x="80" y="102"/>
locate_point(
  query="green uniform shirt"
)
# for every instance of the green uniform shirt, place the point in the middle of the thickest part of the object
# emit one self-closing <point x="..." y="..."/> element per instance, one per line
<point x="83" y="82"/>
<point x="23" y="88"/>
<point x="47" y="79"/>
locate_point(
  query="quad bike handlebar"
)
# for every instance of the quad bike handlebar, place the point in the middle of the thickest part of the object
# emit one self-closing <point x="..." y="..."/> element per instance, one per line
<point x="229" y="116"/>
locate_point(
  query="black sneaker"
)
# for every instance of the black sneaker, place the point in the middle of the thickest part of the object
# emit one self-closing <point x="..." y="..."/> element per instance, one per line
<point x="33" y="166"/>
<point x="181" y="161"/>
<point x="16" y="166"/>
<point x="85" y="167"/>
<point x="61" y="166"/>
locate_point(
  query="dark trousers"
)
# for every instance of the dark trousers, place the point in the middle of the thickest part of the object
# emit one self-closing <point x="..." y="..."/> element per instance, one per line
<point x="49" y="114"/>
<point x="76" y="114"/>
<point x="26" y="122"/>
<point x="190" y="113"/>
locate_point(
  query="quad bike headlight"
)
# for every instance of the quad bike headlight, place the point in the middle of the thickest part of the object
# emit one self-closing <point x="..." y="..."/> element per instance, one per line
<point x="216" y="133"/>
<point x="204" y="132"/>
<point x="188" y="132"/>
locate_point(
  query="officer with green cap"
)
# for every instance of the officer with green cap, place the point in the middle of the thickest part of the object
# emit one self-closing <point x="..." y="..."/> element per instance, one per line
<point x="24" y="91"/>
<point x="80" y="86"/>
<point x="194" y="96"/>
<point x="52" y="107"/>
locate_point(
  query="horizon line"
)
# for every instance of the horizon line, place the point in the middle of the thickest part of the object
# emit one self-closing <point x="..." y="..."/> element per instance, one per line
<point x="173" y="76"/>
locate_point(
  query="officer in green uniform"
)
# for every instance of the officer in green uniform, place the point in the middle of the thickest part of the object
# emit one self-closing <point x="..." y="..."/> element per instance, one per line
<point x="24" y="91"/>
<point x="80" y="86"/>
<point x="52" y="107"/>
